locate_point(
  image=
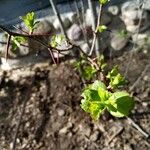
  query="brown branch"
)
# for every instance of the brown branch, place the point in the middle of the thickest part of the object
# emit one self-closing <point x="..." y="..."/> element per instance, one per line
<point x="50" y="48"/>
<point x="7" y="46"/>
<point x="20" y="34"/>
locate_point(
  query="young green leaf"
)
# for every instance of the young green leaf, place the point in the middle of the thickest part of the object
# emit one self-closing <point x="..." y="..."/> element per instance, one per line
<point x="57" y="40"/>
<point x="93" y="102"/>
<point x="103" y="2"/>
<point x="91" y="95"/>
<point x="113" y="72"/>
<point x="29" y="20"/>
<point x="88" y="72"/>
<point x="94" y="108"/>
<point x="103" y="94"/>
<point x="102" y="28"/>
<point x="116" y="79"/>
<point x="120" y="104"/>
<point x="16" y="41"/>
<point x="98" y="84"/>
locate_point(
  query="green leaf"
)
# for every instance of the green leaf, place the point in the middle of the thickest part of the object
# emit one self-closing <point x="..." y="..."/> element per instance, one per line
<point x="93" y="102"/>
<point x="104" y="1"/>
<point x="102" y="28"/>
<point x="113" y="72"/>
<point x="103" y="94"/>
<point x="116" y="79"/>
<point x="57" y="40"/>
<point x="94" y="108"/>
<point x="17" y="40"/>
<point x="120" y="104"/>
<point x="29" y="20"/>
<point x="98" y="84"/>
<point x="103" y="66"/>
<point x="88" y="72"/>
<point x="91" y="95"/>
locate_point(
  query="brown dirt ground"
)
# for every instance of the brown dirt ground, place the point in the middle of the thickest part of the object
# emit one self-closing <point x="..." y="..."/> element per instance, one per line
<point x="53" y="119"/>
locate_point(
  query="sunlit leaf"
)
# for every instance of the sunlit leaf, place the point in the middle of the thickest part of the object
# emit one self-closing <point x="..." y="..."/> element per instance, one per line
<point x="29" y="20"/>
<point x="104" y="1"/>
<point x="102" y="28"/>
<point x="121" y="104"/>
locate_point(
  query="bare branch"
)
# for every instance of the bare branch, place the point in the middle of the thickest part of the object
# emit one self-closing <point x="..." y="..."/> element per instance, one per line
<point x="56" y="12"/>
<point x="96" y="42"/>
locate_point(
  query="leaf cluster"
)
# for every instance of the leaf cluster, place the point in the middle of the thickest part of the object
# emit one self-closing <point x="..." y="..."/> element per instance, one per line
<point x="115" y="78"/>
<point x="96" y="99"/>
<point x="57" y="40"/>
<point x="16" y="41"/>
<point x="87" y="70"/>
<point x="29" y="20"/>
<point x="104" y="95"/>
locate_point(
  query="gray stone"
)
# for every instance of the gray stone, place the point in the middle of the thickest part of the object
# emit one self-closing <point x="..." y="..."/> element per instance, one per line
<point x="136" y="3"/>
<point x="118" y="42"/>
<point x="66" y="23"/>
<point x="85" y="47"/>
<point x="114" y="10"/>
<point x="19" y="52"/>
<point x="106" y="19"/>
<point x="75" y="32"/>
<point x="43" y="27"/>
<point x="131" y="16"/>
<point x="142" y="40"/>
<point x="105" y="40"/>
<point x="72" y="16"/>
<point x="60" y="112"/>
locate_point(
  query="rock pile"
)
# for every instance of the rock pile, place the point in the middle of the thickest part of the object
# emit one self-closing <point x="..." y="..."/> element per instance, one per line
<point x="121" y="20"/>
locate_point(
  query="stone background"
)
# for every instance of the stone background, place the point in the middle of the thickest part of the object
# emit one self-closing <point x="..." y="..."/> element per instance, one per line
<point x="10" y="10"/>
<point x="121" y="18"/>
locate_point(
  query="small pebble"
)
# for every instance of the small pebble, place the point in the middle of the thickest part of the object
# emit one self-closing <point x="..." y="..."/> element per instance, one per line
<point x="60" y="112"/>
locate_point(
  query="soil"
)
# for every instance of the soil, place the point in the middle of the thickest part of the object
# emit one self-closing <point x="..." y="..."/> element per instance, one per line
<point x="53" y="119"/>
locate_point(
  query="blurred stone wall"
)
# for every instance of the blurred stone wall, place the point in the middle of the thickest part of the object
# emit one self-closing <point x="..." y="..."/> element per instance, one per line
<point x="10" y="10"/>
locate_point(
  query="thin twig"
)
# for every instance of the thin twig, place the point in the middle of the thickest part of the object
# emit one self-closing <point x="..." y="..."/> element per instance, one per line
<point x="10" y="33"/>
<point x="138" y="127"/>
<point x="96" y="32"/>
<point x="140" y="77"/>
<point x="56" y="12"/>
<point x="22" y="113"/>
<point x="81" y="24"/>
<point x="120" y="129"/>
<point x="20" y="34"/>
<point x="50" y="48"/>
<point x="7" y="46"/>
